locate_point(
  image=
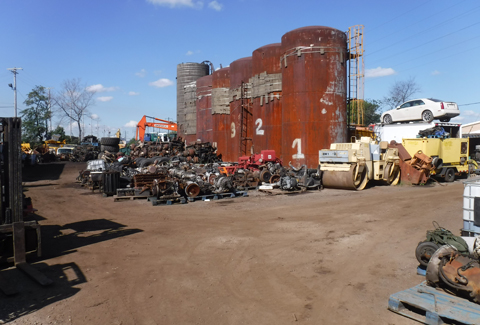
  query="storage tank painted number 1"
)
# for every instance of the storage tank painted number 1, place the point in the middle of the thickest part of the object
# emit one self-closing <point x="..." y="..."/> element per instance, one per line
<point x="298" y="143"/>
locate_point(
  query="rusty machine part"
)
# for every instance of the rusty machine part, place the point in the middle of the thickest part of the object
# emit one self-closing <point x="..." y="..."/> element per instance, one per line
<point x="455" y="272"/>
<point x="164" y="185"/>
<point x="245" y="178"/>
<point x="414" y="170"/>
<point x="274" y="179"/>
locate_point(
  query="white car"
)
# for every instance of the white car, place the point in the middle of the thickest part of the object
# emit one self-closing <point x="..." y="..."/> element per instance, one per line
<point x="426" y="109"/>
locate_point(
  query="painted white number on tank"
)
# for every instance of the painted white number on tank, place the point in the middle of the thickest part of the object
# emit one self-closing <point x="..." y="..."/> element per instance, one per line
<point x="214" y="144"/>
<point x="298" y="144"/>
<point x="233" y="129"/>
<point x="259" y="124"/>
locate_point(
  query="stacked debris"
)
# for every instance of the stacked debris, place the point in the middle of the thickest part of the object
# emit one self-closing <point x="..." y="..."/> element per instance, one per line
<point x="87" y="150"/>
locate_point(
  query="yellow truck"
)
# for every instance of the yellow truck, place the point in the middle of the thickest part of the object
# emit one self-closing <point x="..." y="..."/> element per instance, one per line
<point x="450" y="155"/>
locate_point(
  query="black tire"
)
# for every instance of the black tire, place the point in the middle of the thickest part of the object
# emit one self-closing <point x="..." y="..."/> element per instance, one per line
<point x="447" y="119"/>
<point x="427" y="116"/>
<point x="425" y="251"/>
<point x="110" y="141"/>
<point x="387" y="119"/>
<point x="450" y="175"/>
<point x="111" y="149"/>
<point x="146" y="162"/>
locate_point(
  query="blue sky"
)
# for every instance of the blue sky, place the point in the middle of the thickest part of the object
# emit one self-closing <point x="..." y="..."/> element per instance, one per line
<point x="128" y="50"/>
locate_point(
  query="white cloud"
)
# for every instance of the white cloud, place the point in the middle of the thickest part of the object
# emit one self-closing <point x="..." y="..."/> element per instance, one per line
<point x="131" y="124"/>
<point x="99" y="88"/>
<point x="177" y="3"/>
<point x="435" y="73"/>
<point x="142" y="73"/>
<point x="105" y="98"/>
<point x="160" y="83"/>
<point x="379" y="72"/>
<point x="94" y="116"/>
<point x="157" y="72"/>
<point x="189" y="53"/>
<point x="470" y="113"/>
<point x="132" y="93"/>
<point x="215" y="5"/>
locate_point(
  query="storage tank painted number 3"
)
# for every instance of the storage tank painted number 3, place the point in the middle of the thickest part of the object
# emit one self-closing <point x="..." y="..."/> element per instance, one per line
<point x="298" y="143"/>
<point x="232" y="127"/>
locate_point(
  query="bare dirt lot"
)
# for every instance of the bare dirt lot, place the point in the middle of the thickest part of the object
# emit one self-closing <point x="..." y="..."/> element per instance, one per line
<point x="328" y="257"/>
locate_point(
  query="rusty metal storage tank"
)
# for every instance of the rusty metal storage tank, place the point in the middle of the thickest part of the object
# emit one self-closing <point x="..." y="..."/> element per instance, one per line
<point x="187" y="73"/>
<point x="314" y="81"/>
<point x="266" y="98"/>
<point x="240" y="93"/>
<point x="204" y="109"/>
<point x="220" y="109"/>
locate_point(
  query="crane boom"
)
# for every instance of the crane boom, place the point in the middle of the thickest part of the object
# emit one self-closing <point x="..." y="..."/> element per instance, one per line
<point x="143" y="124"/>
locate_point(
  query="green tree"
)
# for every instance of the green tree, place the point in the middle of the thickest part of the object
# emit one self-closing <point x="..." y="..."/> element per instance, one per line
<point x="372" y="111"/>
<point x="36" y="116"/>
<point x="59" y="131"/>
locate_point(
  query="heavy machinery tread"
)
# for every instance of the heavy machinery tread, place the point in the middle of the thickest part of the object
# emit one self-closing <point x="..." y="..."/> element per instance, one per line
<point x="111" y="149"/>
<point x="110" y="141"/>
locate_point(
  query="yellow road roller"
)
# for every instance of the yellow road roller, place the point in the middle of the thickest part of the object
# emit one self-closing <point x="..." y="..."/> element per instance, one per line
<point x="351" y="165"/>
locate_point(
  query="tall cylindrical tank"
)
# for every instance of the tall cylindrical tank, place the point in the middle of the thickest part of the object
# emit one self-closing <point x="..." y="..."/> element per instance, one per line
<point x="240" y="93"/>
<point x="220" y="109"/>
<point x="314" y="112"/>
<point x="204" y="109"/>
<point x="187" y="73"/>
<point x="266" y="98"/>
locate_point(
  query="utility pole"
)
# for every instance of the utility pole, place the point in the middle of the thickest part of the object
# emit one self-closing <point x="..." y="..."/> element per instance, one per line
<point x="14" y="71"/>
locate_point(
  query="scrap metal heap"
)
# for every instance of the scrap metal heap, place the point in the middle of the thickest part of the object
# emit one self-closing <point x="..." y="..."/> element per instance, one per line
<point x="194" y="171"/>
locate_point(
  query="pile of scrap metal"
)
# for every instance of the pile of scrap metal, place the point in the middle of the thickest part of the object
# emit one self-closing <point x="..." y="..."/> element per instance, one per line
<point x="175" y="149"/>
<point x="87" y="150"/>
<point x="452" y="262"/>
<point x="415" y="170"/>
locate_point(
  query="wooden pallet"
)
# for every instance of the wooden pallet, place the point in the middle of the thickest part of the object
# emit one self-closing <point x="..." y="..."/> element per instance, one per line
<point x="129" y="198"/>
<point x="430" y="306"/>
<point x="155" y="201"/>
<point x="218" y="196"/>
<point x="277" y="191"/>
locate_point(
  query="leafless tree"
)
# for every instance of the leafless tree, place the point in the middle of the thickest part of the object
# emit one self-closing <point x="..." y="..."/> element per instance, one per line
<point x="73" y="101"/>
<point x="400" y="92"/>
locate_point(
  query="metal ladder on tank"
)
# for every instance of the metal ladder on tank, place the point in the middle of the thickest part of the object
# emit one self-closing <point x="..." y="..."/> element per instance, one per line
<point x="246" y="115"/>
<point x="356" y="74"/>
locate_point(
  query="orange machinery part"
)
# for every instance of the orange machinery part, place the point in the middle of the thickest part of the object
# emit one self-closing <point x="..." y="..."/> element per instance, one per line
<point x="143" y="124"/>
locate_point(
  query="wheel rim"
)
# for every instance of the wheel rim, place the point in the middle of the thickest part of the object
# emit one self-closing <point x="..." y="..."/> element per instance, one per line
<point x="387" y="119"/>
<point x="427" y="116"/>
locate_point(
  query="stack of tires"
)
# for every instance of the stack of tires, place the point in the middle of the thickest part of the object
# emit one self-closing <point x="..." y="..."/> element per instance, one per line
<point x="109" y="144"/>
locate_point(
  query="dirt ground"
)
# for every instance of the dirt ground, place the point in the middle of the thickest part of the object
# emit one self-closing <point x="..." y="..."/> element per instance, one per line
<point x="323" y="257"/>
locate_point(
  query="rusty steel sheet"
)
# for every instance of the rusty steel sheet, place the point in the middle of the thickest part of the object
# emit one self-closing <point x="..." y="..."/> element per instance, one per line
<point x="144" y="180"/>
<point x="314" y="81"/>
<point x="204" y="109"/>
<point x="267" y="106"/>
<point x="240" y="74"/>
<point x="220" y="131"/>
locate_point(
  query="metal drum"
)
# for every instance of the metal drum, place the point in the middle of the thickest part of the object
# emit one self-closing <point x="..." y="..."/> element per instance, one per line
<point x="187" y="73"/>
<point x="314" y="80"/>
<point x="204" y="109"/>
<point x="267" y="99"/>
<point x="220" y="109"/>
<point x="240" y="74"/>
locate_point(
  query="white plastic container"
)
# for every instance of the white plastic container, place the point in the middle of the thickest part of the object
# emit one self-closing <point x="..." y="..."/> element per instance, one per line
<point x="94" y="165"/>
<point x="471" y="208"/>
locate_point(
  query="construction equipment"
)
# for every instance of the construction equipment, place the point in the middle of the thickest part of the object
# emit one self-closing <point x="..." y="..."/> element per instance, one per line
<point x="450" y="155"/>
<point x="352" y="165"/>
<point x="143" y="124"/>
